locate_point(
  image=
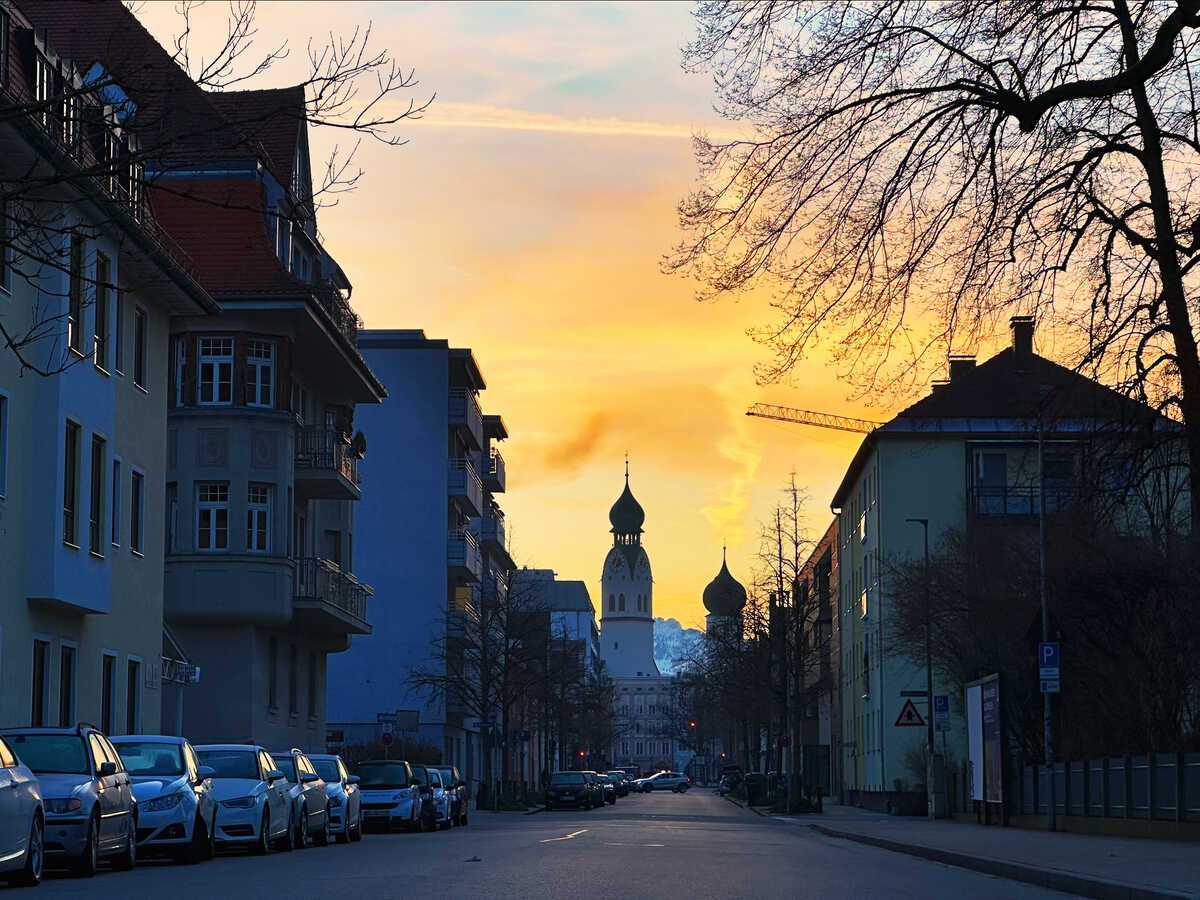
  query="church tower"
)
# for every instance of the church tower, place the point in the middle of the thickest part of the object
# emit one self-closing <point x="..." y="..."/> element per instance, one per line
<point x="626" y="589"/>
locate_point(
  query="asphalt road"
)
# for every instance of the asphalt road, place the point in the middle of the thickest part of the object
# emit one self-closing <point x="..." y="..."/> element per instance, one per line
<point x="692" y="846"/>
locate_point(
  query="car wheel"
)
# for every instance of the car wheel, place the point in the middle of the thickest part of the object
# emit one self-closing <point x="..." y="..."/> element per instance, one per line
<point x="357" y="834"/>
<point x="325" y="837"/>
<point x="86" y="863"/>
<point x="35" y="854"/>
<point x="288" y="841"/>
<point x="127" y="858"/>
<point x="197" y="849"/>
<point x="301" y="840"/>
<point x="263" y="845"/>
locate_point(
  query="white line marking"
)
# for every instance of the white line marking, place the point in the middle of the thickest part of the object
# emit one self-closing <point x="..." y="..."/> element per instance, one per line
<point x="567" y="838"/>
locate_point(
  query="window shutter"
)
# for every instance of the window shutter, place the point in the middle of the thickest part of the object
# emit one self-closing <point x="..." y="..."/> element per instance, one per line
<point x="283" y="374"/>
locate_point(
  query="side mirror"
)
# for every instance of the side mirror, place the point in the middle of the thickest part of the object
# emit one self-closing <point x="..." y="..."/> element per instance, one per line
<point x="309" y="777"/>
<point x="274" y="775"/>
<point x="107" y="769"/>
<point x="205" y="772"/>
<point x="353" y="779"/>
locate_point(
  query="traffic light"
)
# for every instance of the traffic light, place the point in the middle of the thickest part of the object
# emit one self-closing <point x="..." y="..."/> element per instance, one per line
<point x="692" y="724"/>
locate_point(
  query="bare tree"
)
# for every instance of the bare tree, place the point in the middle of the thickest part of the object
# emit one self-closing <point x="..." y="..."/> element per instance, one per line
<point x="909" y="163"/>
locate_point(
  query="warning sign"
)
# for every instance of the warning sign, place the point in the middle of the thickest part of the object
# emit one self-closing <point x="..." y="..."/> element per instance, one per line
<point x="910" y="717"/>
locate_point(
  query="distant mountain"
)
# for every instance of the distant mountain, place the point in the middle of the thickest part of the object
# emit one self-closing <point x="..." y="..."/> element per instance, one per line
<point x="673" y="643"/>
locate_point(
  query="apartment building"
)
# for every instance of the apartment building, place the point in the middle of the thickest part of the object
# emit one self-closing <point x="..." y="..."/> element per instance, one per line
<point x="89" y="287"/>
<point x="815" y="596"/>
<point x="432" y="535"/>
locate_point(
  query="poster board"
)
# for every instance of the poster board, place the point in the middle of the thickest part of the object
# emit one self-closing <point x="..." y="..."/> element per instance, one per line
<point x="985" y="740"/>
<point x="975" y="739"/>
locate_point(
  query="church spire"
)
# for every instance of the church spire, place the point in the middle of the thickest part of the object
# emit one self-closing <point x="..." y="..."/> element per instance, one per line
<point x="627" y="515"/>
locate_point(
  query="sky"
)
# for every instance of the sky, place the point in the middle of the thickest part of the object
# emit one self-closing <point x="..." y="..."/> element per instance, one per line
<point x="526" y="218"/>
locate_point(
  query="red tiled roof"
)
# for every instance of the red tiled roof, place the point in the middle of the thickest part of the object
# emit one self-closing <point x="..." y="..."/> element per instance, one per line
<point x="220" y="223"/>
<point x="274" y="118"/>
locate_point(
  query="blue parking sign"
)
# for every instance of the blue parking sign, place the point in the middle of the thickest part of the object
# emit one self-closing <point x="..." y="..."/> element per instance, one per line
<point x="941" y="712"/>
<point x="1048" y="660"/>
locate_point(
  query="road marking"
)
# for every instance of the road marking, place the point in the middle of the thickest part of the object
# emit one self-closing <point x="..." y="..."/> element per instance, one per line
<point x="622" y="844"/>
<point x="573" y="834"/>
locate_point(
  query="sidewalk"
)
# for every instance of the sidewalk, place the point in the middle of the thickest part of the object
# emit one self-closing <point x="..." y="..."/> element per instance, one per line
<point x="1104" y="867"/>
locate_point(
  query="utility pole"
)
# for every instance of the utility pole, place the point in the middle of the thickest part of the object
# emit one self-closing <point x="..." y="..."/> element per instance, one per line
<point x="1047" y="716"/>
<point x="929" y="793"/>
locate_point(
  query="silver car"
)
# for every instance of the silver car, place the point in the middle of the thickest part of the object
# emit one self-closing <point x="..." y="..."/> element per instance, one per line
<point x="177" y="811"/>
<point x="86" y="793"/>
<point x="253" y="806"/>
<point x="310" y="807"/>
<point x="22" y="821"/>
<point x="391" y="795"/>
<point x="344" y="795"/>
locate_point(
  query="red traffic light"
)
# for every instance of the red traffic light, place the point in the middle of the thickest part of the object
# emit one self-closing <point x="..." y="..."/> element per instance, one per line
<point x="582" y="754"/>
<point x="692" y="724"/>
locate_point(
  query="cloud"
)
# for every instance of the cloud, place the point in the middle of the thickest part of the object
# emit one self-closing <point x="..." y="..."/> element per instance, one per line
<point x="480" y="115"/>
<point x="567" y="456"/>
<point x="727" y="515"/>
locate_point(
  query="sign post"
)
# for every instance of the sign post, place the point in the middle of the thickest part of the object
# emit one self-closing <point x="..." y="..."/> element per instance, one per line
<point x="1049" y="671"/>
<point x="941" y="712"/>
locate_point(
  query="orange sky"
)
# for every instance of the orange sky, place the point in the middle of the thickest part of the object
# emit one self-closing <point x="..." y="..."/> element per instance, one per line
<point x="526" y="219"/>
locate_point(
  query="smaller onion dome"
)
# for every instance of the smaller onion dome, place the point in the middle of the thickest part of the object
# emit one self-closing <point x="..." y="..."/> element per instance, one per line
<point x="627" y="515"/>
<point x="724" y="595"/>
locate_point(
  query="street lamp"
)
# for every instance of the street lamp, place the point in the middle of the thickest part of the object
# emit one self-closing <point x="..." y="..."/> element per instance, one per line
<point x="924" y="523"/>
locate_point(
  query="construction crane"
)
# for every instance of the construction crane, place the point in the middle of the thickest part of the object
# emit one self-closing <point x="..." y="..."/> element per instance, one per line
<point x="809" y="417"/>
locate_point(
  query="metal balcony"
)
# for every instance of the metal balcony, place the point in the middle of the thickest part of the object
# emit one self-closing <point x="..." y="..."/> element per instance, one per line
<point x="462" y="555"/>
<point x="464" y="485"/>
<point x="326" y="467"/>
<point x="466" y="417"/>
<point x="493" y="475"/>
<point x="491" y="529"/>
<point x="1017" y="501"/>
<point x="327" y="598"/>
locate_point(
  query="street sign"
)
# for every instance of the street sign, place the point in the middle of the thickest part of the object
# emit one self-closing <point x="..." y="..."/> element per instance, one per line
<point x="387" y="727"/>
<point x="910" y="717"/>
<point x="1051" y="686"/>
<point x="386" y="739"/>
<point x="941" y="712"/>
<point x="1048" y="660"/>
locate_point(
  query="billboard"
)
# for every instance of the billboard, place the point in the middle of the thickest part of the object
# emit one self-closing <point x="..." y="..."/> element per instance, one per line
<point x="985" y="739"/>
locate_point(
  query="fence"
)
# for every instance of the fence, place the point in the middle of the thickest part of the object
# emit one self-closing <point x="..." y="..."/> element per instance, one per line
<point x="1154" y="786"/>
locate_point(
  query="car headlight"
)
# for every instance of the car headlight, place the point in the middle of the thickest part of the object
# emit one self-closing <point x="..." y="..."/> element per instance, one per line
<point x="335" y="800"/>
<point x="238" y="803"/>
<point x="159" y="804"/>
<point x="60" y="805"/>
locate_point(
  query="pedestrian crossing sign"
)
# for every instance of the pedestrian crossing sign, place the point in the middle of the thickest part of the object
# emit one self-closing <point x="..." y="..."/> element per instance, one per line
<point x="910" y="717"/>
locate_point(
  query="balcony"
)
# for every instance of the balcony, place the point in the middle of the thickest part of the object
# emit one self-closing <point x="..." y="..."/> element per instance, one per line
<point x="326" y="468"/>
<point x="493" y="538"/>
<point x="1017" y="501"/>
<point x="464" y="485"/>
<point x="466" y="417"/>
<point x="493" y="476"/>
<point x="462" y="555"/>
<point x="337" y="309"/>
<point x="328" y="599"/>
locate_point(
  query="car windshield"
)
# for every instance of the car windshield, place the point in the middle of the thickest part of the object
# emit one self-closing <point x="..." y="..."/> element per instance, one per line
<point x="420" y="776"/>
<point x="447" y="775"/>
<point x="231" y="763"/>
<point x="616" y="775"/>
<point x="383" y="775"/>
<point x="150" y="757"/>
<point x="51" y="754"/>
<point x="566" y="778"/>
<point x="328" y="770"/>
<point x="286" y="764"/>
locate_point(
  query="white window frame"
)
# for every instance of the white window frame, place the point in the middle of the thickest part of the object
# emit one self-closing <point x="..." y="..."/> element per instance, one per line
<point x="212" y="505"/>
<point x="118" y="335"/>
<point x="97" y="488"/>
<point x="258" y="517"/>
<point x="141" y="348"/>
<point x="215" y="357"/>
<point x="115" y="486"/>
<point x="137" y="503"/>
<point x="259" y="364"/>
<point x="101" y="310"/>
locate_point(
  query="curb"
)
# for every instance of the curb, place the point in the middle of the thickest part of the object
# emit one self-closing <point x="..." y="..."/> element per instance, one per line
<point x="535" y="811"/>
<point x="1054" y="879"/>
<point x="741" y="805"/>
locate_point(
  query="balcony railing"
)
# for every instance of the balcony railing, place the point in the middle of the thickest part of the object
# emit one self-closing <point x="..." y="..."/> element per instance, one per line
<point x="462" y="554"/>
<point x="495" y="476"/>
<point x="463" y="482"/>
<point x="491" y="528"/>
<point x="321" y="581"/>
<point x="324" y="448"/>
<point x="463" y="410"/>
<point x="1018" y="500"/>
<point x="338" y="309"/>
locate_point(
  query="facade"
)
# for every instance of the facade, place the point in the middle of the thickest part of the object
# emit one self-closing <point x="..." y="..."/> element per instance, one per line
<point x="433" y="534"/>
<point x="83" y="447"/>
<point x="815" y="595"/>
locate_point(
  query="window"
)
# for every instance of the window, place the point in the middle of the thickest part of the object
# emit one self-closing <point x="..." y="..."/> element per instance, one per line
<point x="115" y="526"/>
<point x="3" y="445"/>
<point x="133" y="696"/>
<point x="258" y="518"/>
<point x="260" y="373"/>
<point x="41" y="683"/>
<point x="216" y="371"/>
<point x="66" y="685"/>
<point x="273" y="672"/>
<point x="612" y="603"/>
<point x="100" y="331"/>
<point x="75" y="295"/>
<point x="139" y="347"/>
<point x="293" y="699"/>
<point x="212" y="515"/>
<point x="96" y="500"/>
<point x="4" y="26"/>
<point x="70" y="482"/>
<point x="108" y="673"/>
<point x="172" y="517"/>
<point x="333" y="546"/>
<point x="5" y="230"/>
<point x="43" y="86"/>
<point x="137" y="511"/>
<point x="118" y="333"/>
<point x="181" y="347"/>
<point x="312" y="684"/>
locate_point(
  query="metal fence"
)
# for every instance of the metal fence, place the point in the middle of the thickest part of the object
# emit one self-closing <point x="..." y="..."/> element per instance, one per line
<point x="1153" y="786"/>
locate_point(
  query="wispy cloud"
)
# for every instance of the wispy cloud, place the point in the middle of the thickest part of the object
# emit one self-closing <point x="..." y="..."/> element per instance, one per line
<point x="478" y="115"/>
<point x="727" y="515"/>
<point x="569" y="454"/>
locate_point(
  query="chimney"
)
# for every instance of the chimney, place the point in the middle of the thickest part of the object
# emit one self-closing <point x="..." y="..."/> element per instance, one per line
<point x="1022" y="335"/>
<point x="938" y="386"/>
<point x="960" y="366"/>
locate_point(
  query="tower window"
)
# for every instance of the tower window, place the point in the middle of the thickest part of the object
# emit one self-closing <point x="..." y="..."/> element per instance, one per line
<point x="621" y="602"/>
<point x="612" y="603"/>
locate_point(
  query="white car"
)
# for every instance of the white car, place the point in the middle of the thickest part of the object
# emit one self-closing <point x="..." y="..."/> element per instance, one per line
<point x="663" y="781"/>
<point x="345" y="798"/>
<point x="390" y="794"/>
<point x="310" y="806"/>
<point x="253" y="806"/>
<point x="176" y="808"/>
<point x="436" y="811"/>
<point x="22" y="821"/>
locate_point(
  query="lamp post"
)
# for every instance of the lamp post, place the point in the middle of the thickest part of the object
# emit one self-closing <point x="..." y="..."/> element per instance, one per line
<point x="929" y="796"/>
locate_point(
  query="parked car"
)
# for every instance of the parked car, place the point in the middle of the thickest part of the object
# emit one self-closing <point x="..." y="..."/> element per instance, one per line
<point x="253" y="806"/>
<point x="86" y="793"/>
<point x="344" y="796"/>
<point x="568" y="789"/>
<point x="663" y="781"/>
<point x="390" y="794"/>
<point x="608" y="788"/>
<point x="460" y="795"/>
<point x="597" y="789"/>
<point x="435" y="807"/>
<point x="620" y="780"/>
<point x="310" y="807"/>
<point x="176" y="808"/>
<point x="22" y="821"/>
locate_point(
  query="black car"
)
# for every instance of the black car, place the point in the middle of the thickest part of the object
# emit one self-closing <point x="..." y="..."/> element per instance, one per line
<point x="460" y="796"/>
<point x="569" y="789"/>
<point x="620" y="780"/>
<point x="608" y="788"/>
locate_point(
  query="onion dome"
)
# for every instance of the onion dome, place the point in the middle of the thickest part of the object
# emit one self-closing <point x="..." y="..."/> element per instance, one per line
<point x="724" y="596"/>
<point x="627" y="515"/>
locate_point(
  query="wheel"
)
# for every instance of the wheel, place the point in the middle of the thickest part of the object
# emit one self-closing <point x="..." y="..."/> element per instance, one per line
<point x="288" y="841"/>
<point x="464" y="817"/>
<point x="197" y="849"/>
<point x="302" y="839"/>
<point x="325" y="836"/>
<point x="210" y="852"/>
<point x="31" y="873"/>
<point x="263" y="845"/>
<point x="127" y="858"/>
<point x="86" y="863"/>
<point x="357" y="833"/>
